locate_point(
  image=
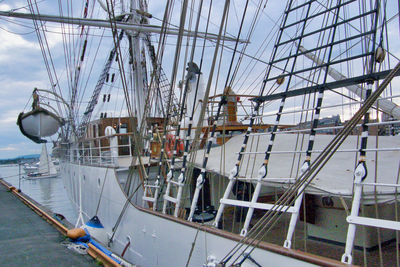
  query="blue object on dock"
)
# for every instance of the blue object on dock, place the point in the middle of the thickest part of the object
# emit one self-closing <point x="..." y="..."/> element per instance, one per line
<point x="104" y="250"/>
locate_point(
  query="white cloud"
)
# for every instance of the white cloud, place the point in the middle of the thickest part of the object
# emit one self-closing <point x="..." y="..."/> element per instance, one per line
<point x="9" y="117"/>
<point x="12" y="45"/>
<point x="13" y="41"/>
<point x="17" y="149"/>
<point x="5" y="7"/>
<point x="8" y="148"/>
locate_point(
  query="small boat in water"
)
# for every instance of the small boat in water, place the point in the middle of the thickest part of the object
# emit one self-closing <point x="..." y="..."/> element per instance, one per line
<point x="30" y="168"/>
<point x="46" y="168"/>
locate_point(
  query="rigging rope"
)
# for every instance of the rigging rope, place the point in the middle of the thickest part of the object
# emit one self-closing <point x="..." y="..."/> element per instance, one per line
<point x="172" y="84"/>
<point x="269" y="212"/>
<point x="45" y="49"/>
<point x="307" y="177"/>
<point x="195" y="144"/>
<point x="137" y="139"/>
<point x="183" y="102"/>
<point x="184" y="170"/>
<point x="101" y="192"/>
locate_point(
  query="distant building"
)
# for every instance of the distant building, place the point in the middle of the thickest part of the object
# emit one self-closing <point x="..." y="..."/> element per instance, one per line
<point x="389" y="129"/>
<point x="322" y="123"/>
<point x="332" y="122"/>
<point x="373" y="130"/>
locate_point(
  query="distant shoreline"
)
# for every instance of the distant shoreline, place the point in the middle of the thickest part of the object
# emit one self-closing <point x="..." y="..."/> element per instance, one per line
<point x="20" y="159"/>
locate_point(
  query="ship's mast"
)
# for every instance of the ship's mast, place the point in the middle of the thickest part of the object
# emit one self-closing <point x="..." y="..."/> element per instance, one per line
<point x="135" y="46"/>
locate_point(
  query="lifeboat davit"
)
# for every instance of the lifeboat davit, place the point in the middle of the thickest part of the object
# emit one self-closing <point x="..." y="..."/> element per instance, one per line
<point x="39" y="123"/>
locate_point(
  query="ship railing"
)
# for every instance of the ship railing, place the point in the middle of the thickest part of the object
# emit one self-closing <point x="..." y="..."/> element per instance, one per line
<point x="328" y="129"/>
<point x="319" y="151"/>
<point x="354" y="219"/>
<point x="113" y="150"/>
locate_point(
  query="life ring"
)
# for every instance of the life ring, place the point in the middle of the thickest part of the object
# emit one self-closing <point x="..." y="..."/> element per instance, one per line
<point x="170" y="143"/>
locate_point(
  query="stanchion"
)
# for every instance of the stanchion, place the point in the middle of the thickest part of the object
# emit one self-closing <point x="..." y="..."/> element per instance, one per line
<point x="19" y="177"/>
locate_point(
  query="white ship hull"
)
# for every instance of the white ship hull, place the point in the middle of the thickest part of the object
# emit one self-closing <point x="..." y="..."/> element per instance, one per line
<point x="157" y="239"/>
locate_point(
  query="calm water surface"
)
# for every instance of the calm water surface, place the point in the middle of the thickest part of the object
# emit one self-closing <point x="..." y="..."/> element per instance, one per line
<point x="48" y="192"/>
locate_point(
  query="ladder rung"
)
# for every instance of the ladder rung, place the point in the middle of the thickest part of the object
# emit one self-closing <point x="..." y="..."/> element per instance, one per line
<point x="380" y="223"/>
<point x="268" y="179"/>
<point x="170" y="199"/>
<point x="280" y="180"/>
<point x="151" y="186"/>
<point x="151" y="199"/>
<point x="263" y="206"/>
<point x="176" y="183"/>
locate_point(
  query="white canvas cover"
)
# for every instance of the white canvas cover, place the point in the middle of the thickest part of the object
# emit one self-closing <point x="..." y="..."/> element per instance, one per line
<point x="336" y="178"/>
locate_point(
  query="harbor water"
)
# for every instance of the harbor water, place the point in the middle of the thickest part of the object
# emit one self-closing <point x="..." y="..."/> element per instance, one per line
<point x="49" y="192"/>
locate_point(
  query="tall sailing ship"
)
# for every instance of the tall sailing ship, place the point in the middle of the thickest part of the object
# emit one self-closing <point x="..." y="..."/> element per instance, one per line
<point x="227" y="133"/>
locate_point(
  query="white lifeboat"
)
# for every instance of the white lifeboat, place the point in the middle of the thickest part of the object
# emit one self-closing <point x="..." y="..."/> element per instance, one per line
<point x="39" y="123"/>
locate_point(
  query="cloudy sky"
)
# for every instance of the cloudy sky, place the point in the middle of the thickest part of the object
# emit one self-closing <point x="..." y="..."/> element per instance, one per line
<point x="20" y="57"/>
<point x="22" y="68"/>
<point x="20" y="71"/>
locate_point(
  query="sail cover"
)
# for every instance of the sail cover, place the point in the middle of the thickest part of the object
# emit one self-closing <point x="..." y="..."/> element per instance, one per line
<point x="336" y="178"/>
<point x="38" y="123"/>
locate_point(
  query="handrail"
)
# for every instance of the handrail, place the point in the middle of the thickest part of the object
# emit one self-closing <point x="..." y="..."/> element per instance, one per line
<point x="104" y="137"/>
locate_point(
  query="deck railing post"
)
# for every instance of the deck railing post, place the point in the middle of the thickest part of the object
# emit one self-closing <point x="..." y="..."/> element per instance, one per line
<point x="99" y="146"/>
<point x="130" y="145"/>
<point x="90" y="152"/>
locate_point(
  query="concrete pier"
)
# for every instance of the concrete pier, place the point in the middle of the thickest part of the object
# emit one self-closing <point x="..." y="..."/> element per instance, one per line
<point x="26" y="239"/>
